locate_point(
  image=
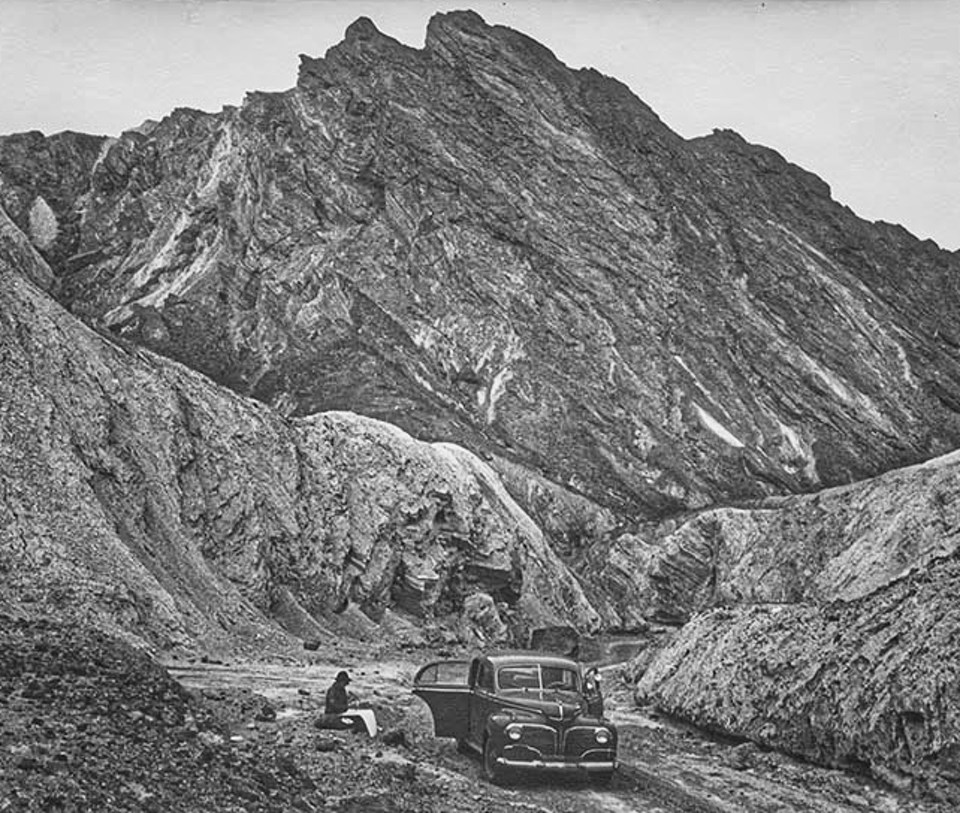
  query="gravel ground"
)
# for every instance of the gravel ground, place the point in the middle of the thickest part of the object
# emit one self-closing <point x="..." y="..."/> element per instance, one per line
<point x="89" y="724"/>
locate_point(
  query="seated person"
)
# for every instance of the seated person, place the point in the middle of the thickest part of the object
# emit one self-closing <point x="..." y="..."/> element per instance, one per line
<point x="340" y="709"/>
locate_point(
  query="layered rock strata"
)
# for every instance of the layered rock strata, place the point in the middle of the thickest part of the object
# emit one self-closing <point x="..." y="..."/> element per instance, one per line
<point x="139" y="495"/>
<point x="827" y="627"/>
<point x="841" y="543"/>
<point x="872" y="683"/>
<point x="489" y="250"/>
<point x="483" y="246"/>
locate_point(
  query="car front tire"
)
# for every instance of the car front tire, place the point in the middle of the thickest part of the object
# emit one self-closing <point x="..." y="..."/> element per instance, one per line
<point x="492" y="772"/>
<point x="601" y="779"/>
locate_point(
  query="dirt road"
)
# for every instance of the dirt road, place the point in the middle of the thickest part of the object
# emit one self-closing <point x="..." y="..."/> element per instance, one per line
<point x="665" y="767"/>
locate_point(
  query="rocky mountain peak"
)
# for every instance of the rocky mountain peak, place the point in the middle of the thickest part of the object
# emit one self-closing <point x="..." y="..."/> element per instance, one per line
<point x="483" y="246"/>
<point x="363" y="38"/>
<point x="464" y="27"/>
<point x="362" y="29"/>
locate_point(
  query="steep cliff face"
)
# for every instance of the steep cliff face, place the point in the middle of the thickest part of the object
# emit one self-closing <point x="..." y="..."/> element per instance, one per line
<point x="483" y="246"/>
<point x="142" y="497"/>
<point x="872" y="683"/>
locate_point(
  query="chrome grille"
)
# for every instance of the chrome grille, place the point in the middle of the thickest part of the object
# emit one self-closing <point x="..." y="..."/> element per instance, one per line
<point x="542" y="738"/>
<point x="579" y="739"/>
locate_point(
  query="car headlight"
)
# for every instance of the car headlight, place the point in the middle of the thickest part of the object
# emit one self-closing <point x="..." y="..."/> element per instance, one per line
<point x="603" y="736"/>
<point x="514" y="732"/>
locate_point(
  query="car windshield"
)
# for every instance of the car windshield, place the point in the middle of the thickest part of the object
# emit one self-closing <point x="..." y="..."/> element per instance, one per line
<point x="535" y="677"/>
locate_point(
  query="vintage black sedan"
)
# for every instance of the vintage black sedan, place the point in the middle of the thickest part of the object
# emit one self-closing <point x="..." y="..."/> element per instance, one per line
<point x="521" y="711"/>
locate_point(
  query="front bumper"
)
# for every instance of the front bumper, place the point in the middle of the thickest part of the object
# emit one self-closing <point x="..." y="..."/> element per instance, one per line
<point x="559" y="765"/>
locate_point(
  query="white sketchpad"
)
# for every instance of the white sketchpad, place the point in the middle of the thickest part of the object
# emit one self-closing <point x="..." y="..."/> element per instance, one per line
<point x="368" y="717"/>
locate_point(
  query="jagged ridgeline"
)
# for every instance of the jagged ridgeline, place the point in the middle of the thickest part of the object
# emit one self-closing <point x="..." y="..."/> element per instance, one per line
<point x="463" y="335"/>
<point x="480" y="245"/>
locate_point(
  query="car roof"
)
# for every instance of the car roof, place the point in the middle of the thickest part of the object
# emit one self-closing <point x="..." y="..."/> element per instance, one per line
<point x="499" y="659"/>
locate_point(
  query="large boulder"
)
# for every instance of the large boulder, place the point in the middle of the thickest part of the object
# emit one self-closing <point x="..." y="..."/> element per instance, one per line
<point x="562" y="640"/>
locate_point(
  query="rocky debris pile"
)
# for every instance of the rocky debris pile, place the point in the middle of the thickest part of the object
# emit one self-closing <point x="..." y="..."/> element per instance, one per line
<point x="870" y="684"/>
<point x="90" y="724"/>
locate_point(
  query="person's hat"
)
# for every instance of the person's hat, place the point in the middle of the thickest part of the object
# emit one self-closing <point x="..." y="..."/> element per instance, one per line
<point x="342" y="677"/>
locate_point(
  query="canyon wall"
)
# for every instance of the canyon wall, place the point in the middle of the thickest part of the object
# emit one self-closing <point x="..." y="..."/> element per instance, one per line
<point x="144" y="498"/>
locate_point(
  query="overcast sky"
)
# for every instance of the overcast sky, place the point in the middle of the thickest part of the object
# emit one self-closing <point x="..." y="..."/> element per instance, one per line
<point x="866" y="93"/>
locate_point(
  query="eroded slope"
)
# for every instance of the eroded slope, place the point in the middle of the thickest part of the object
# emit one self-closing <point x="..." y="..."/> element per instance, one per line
<point x="871" y="683"/>
<point x="841" y="543"/>
<point x="144" y="498"/>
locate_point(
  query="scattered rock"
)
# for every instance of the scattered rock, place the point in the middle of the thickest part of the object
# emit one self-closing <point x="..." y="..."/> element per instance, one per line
<point x="266" y="714"/>
<point x="480" y="620"/>
<point x="741" y="757"/>
<point x="28" y="763"/>
<point x="396" y="737"/>
<point x="210" y="739"/>
<point x="328" y="743"/>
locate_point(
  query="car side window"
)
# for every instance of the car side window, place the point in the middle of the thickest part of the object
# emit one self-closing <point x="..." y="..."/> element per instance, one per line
<point x="559" y="678"/>
<point x="520" y="677"/>
<point x="444" y="673"/>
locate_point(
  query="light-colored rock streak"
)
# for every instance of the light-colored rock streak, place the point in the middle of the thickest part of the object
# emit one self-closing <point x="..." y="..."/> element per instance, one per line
<point x="711" y="423"/>
<point x="219" y="166"/>
<point x="43" y="224"/>
<point x="104" y="149"/>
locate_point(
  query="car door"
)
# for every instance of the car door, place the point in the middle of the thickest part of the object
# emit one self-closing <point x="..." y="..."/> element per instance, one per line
<point x="484" y="701"/>
<point x="445" y="687"/>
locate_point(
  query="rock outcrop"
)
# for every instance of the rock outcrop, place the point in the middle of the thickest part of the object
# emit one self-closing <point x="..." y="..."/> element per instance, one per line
<point x="823" y="625"/>
<point x="138" y="495"/>
<point x="872" y="683"/>
<point x="483" y="246"/>
<point x="841" y="543"/>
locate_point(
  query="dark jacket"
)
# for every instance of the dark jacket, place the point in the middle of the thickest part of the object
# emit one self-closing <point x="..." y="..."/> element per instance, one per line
<point x="336" y="702"/>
